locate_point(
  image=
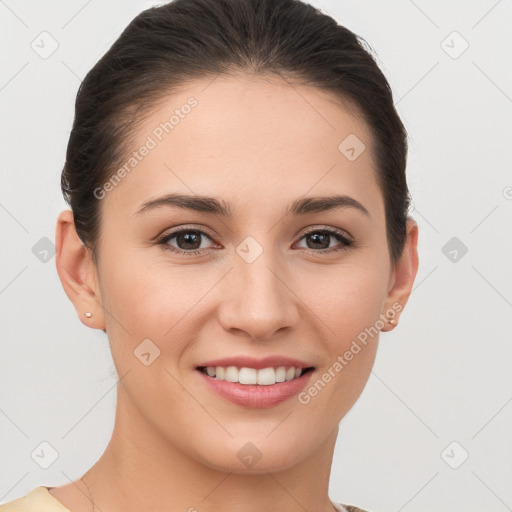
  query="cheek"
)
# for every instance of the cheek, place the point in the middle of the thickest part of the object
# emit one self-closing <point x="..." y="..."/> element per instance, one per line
<point x="151" y="298"/>
<point x="349" y="304"/>
<point x="147" y="303"/>
<point x="351" y="309"/>
<point x="347" y="299"/>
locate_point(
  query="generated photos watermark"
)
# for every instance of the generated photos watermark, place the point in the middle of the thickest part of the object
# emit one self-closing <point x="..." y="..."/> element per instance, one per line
<point x="343" y="360"/>
<point x="151" y="142"/>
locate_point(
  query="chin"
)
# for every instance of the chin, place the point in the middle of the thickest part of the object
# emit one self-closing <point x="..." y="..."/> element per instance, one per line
<point x="240" y="455"/>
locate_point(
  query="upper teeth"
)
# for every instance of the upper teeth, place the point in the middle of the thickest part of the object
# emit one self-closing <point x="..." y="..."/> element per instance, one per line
<point x="265" y="376"/>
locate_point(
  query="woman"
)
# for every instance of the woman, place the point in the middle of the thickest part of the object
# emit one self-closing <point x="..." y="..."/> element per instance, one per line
<point x="239" y="229"/>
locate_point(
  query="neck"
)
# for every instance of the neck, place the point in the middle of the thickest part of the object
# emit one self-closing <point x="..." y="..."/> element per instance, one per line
<point x="141" y="470"/>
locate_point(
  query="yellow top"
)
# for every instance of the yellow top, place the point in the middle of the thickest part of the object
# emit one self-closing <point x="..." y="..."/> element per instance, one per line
<point x="39" y="499"/>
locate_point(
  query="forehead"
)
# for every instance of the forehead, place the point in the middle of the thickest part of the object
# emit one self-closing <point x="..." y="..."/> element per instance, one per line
<point x="244" y="114"/>
<point x="250" y="138"/>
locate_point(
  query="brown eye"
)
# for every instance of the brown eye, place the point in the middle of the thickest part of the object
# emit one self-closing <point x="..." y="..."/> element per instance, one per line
<point x="319" y="240"/>
<point x="187" y="241"/>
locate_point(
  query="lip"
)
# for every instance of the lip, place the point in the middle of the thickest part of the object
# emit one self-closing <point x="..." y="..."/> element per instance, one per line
<point x="257" y="363"/>
<point x="256" y="396"/>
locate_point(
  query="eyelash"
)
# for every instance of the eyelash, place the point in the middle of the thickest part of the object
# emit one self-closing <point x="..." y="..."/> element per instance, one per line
<point x="346" y="243"/>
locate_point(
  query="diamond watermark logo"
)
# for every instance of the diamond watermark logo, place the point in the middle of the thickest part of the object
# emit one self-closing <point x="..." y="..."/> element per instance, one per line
<point x="454" y="249"/>
<point x="146" y="352"/>
<point x="249" y="455"/>
<point x="249" y="249"/>
<point x="44" y="455"/>
<point x="454" y="455"/>
<point x="454" y="45"/>
<point x="45" y="45"/>
<point x="44" y="249"/>
<point x="352" y="147"/>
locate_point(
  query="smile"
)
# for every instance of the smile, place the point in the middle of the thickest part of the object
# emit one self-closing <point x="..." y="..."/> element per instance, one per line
<point x="263" y="376"/>
<point x="255" y="388"/>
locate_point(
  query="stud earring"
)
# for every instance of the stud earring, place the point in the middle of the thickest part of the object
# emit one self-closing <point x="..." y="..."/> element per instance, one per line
<point x="392" y="321"/>
<point x="88" y="315"/>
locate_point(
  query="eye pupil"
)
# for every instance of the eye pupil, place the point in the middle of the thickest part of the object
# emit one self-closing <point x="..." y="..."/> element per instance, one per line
<point x="316" y="237"/>
<point x="189" y="237"/>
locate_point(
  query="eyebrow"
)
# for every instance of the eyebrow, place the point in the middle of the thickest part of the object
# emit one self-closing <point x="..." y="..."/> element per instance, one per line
<point x="215" y="206"/>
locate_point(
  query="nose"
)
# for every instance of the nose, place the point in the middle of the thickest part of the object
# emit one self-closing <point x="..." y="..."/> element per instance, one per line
<point x="258" y="299"/>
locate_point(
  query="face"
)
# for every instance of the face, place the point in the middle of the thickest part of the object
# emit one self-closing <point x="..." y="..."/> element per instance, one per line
<point x="259" y="276"/>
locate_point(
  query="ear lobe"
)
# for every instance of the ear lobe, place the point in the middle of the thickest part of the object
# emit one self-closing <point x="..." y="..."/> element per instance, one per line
<point x="404" y="273"/>
<point x="77" y="272"/>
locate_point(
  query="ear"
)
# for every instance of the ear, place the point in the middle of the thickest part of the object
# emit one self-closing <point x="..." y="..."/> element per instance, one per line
<point x="77" y="272"/>
<point x="402" y="277"/>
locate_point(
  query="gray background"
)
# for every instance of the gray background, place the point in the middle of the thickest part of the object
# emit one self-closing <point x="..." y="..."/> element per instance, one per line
<point x="441" y="387"/>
